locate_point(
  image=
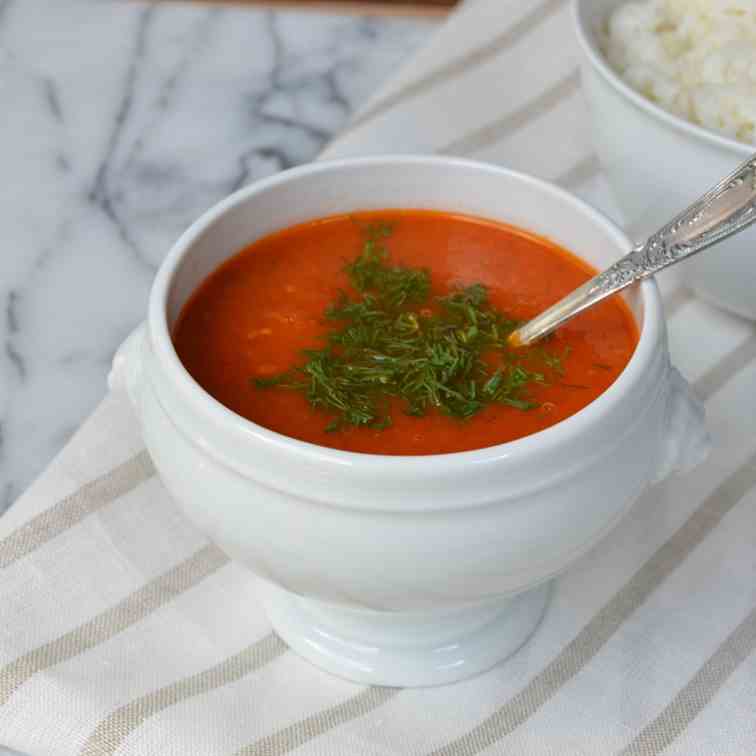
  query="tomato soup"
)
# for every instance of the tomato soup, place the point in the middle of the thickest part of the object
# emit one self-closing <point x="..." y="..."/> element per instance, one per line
<point x="451" y="284"/>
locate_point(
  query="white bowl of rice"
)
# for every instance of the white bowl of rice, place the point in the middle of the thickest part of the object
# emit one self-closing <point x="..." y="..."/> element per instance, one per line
<point x="672" y="90"/>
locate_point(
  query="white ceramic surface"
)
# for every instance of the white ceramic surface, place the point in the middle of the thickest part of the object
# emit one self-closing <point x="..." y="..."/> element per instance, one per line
<point x="405" y="570"/>
<point x="657" y="164"/>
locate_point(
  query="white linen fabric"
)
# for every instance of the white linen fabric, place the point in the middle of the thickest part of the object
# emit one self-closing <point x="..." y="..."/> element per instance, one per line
<point x="124" y="632"/>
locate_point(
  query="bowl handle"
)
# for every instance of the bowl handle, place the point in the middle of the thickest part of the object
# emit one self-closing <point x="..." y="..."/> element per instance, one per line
<point x="685" y="441"/>
<point x="126" y="371"/>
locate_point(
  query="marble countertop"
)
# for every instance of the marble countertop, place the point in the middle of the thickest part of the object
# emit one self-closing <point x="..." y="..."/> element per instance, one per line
<point x="121" y="123"/>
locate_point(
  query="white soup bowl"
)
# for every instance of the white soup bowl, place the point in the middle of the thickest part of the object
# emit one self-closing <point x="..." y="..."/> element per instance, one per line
<point x="392" y="570"/>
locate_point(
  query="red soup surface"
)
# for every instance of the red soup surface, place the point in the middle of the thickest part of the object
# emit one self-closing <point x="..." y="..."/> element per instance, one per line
<point x="253" y="317"/>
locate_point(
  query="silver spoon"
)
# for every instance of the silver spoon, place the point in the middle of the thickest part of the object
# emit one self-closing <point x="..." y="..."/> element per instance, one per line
<point x="725" y="210"/>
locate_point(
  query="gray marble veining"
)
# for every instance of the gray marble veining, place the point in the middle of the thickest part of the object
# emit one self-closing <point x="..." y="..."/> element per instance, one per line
<point x="119" y="124"/>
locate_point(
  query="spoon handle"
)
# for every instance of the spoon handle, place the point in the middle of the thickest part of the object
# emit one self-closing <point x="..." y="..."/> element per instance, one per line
<point x="724" y="210"/>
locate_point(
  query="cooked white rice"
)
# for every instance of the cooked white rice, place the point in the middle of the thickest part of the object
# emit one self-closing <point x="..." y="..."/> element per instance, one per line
<point x="695" y="58"/>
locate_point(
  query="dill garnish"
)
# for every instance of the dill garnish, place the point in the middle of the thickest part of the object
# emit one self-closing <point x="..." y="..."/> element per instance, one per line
<point x="394" y="341"/>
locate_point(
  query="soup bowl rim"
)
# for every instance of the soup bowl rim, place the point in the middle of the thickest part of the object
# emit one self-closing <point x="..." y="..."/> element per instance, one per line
<point x="651" y="335"/>
<point x="599" y="63"/>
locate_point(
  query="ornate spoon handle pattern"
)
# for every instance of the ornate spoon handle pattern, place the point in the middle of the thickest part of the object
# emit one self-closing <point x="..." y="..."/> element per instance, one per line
<point x="725" y="210"/>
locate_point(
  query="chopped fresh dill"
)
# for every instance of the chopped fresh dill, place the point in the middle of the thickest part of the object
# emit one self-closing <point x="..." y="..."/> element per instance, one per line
<point x="397" y="286"/>
<point x="552" y="360"/>
<point x="395" y="342"/>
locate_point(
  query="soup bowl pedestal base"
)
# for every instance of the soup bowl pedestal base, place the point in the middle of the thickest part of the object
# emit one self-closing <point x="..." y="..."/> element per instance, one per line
<point x="404" y="649"/>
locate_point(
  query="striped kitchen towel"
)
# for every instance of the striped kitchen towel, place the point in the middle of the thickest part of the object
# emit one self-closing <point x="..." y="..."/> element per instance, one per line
<point x="125" y="632"/>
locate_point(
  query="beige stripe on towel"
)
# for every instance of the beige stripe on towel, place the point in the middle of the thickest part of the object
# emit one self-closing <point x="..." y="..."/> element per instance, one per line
<point x="584" y="170"/>
<point x="498" y="130"/>
<point x="105" y="625"/>
<point x="461" y="65"/>
<point x="75" y="507"/>
<point x="735" y="361"/>
<point x="291" y="737"/>
<point x="675" y="301"/>
<point x="657" y="736"/>
<point x="112" y="731"/>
